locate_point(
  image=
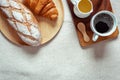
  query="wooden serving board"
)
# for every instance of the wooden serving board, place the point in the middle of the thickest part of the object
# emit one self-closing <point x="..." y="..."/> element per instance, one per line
<point x="48" y="28"/>
<point x="98" y="6"/>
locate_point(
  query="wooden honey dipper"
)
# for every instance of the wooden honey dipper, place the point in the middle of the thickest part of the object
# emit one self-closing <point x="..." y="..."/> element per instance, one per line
<point x="81" y="28"/>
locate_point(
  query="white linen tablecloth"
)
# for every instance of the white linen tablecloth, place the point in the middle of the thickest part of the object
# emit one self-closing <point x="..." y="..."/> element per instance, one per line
<point x="62" y="58"/>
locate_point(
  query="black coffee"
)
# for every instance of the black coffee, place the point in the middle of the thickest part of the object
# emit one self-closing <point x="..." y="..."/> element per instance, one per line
<point x="101" y="27"/>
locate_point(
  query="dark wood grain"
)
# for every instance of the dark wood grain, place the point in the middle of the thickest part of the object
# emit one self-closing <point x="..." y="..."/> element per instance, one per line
<point x="98" y="5"/>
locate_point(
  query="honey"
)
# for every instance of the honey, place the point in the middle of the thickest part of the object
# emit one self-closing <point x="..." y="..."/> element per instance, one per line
<point x="85" y="6"/>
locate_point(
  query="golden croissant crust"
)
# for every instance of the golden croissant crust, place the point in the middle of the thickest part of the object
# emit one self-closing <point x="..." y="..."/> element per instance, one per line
<point x="45" y="8"/>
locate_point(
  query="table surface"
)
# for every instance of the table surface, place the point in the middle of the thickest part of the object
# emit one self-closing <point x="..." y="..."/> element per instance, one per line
<point x="62" y="58"/>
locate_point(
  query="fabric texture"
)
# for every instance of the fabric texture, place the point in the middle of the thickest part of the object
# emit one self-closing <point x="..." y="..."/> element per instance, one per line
<point x="62" y="58"/>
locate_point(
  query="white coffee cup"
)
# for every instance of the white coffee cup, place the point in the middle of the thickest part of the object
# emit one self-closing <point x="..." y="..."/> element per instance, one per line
<point x="106" y="17"/>
<point x="77" y="11"/>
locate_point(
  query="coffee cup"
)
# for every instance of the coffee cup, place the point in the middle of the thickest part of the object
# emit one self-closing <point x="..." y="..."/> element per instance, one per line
<point x="82" y="8"/>
<point x="103" y="23"/>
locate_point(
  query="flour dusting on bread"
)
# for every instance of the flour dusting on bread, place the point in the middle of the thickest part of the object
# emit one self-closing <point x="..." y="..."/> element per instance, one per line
<point x="22" y="20"/>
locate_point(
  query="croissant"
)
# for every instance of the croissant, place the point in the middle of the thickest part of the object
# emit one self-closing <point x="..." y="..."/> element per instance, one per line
<point x="45" y="8"/>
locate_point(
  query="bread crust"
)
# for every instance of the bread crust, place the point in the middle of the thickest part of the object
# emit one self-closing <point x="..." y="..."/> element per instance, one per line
<point x="22" y="21"/>
<point x="44" y="8"/>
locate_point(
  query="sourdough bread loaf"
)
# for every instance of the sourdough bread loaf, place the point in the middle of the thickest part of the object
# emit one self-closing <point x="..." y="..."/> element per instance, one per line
<point x="22" y="20"/>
